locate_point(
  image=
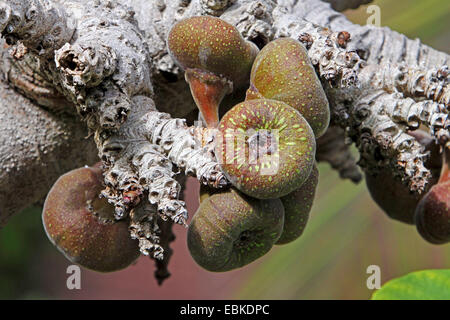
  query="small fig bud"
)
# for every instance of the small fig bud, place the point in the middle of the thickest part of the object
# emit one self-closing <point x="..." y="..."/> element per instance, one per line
<point x="230" y="230"/>
<point x="216" y="59"/>
<point x="297" y="206"/>
<point x="265" y="148"/>
<point x="81" y="225"/>
<point x="282" y="71"/>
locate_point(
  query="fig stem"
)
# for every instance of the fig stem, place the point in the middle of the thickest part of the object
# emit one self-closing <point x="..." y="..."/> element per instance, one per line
<point x="208" y="91"/>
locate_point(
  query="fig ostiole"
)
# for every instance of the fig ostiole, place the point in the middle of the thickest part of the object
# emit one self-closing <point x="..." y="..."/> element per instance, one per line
<point x="230" y="230"/>
<point x="265" y="148"/>
<point x="82" y="226"/>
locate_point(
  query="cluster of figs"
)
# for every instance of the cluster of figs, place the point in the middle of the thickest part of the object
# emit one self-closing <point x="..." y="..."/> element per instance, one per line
<point x="271" y="194"/>
<point x="265" y="145"/>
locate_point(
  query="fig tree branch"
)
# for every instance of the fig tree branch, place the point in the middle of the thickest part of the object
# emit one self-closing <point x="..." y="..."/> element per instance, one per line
<point x="109" y="59"/>
<point x="36" y="147"/>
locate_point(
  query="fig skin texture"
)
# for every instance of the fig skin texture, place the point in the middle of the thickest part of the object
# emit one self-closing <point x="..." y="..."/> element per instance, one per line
<point x="394" y="197"/>
<point x="433" y="214"/>
<point x="297" y="206"/>
<point x="82" y="226"/>
<point x="212" y="44"/>
<point x="230" y="230"/>
<point x="282" y="71"/>
<point x="265" y="170"/>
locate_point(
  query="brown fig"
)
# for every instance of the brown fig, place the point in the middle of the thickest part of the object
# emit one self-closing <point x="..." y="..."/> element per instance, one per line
<point x="265" y="148"/>
<point x="297" y="206"/>
<point x="82" y="226"/>
<point x="230" y="230"/>
<point x="282" y="71"/>
<point x="432" y="216"/>
<point x="392" y="195"/>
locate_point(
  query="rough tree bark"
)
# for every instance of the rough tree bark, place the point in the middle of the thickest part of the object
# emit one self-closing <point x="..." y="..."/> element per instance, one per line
<point x="107" y="60"/>
<point x="36" y="147"/>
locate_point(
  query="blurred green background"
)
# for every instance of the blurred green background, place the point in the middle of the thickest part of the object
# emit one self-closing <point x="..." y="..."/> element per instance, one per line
<point x="346" y="232"/>
<point x="427" y="20"/>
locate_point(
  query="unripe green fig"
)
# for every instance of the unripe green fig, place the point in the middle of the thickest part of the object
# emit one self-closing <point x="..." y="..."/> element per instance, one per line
<point x="265" y="148"/>
<point x="216" y="59"/>
<point x="282" y="71"/>
<point x="393" y="196"/>
<point x="297" y="206"/>
<point x="230" y="230"/>
<point x="82" y="226"/>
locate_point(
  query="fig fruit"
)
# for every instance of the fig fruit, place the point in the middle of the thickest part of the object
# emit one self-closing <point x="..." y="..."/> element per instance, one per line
<point x="265" y="148"/>
<point x="216" y="59"/>
<point x="297" y="206"/>
<point x="82" y="226"/>
<point x="392" y="195"/>
<point x="208" y="91"/>
<point x="282" y="71"/>
<point x="432" y="216"/>
<point x="230" y="230"/>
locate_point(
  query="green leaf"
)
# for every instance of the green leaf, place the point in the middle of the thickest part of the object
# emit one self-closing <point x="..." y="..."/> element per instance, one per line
<point x="420" y="285"/>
